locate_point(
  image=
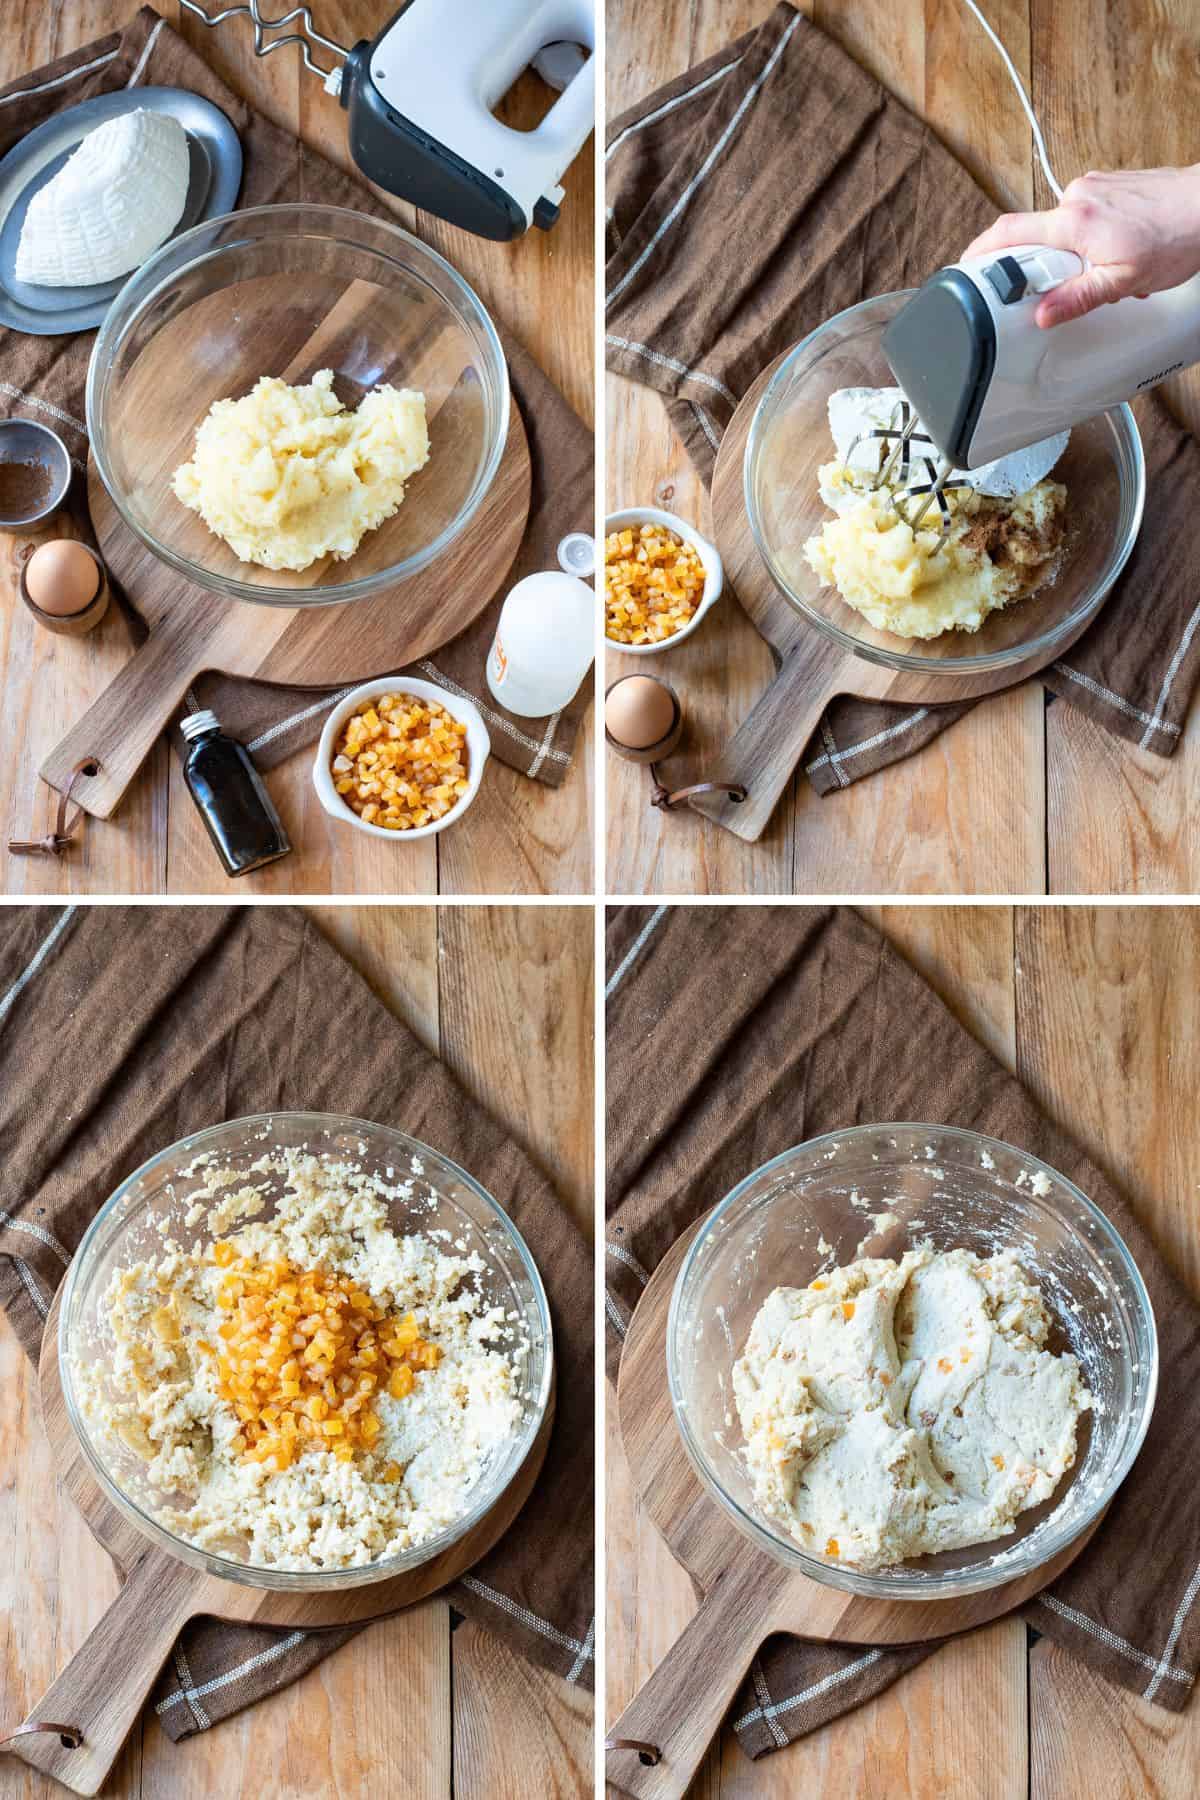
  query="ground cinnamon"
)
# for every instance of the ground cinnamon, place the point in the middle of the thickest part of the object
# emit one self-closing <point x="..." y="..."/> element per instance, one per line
<point x="24" y="488"/>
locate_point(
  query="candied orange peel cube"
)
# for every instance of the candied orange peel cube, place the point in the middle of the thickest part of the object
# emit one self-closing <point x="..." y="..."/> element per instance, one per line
<point x="302" y="1354"/>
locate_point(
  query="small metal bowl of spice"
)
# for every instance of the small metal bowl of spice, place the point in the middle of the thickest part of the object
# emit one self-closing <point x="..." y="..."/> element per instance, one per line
<point x="35" y="473"/>
<point x="400" y="758"/>
<point x="660" y="578"/>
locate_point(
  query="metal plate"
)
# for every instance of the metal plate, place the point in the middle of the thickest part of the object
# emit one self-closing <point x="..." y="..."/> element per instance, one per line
<point x="214" y="177"/>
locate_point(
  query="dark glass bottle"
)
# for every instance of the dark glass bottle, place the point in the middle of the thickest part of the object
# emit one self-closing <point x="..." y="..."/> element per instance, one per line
<point x="232" y="800"/>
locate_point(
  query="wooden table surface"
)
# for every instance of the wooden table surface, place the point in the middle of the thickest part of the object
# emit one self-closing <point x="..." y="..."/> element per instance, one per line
<point x="406" y="1709"/>
<point x="1020" y="797"/>
<point x="520" y="837"/>
<point x="1093" y="1008"/>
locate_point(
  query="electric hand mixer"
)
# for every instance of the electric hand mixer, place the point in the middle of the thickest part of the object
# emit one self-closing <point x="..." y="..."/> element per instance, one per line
<point x="981" y="379"/>
<point x="420" y="96"/>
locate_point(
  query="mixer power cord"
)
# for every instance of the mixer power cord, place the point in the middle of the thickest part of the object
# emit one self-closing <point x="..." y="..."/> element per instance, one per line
<point x="1038" y="139"/>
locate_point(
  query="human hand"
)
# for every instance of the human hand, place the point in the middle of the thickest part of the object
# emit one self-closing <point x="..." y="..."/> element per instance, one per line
<point x="1137" y="229"/>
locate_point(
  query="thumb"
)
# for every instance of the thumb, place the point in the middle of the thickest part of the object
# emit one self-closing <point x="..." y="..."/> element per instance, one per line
<point x="1082" y="294"/>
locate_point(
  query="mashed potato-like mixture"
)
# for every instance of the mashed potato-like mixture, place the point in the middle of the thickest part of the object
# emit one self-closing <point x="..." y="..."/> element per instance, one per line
<point x="288" y="475"/>
<point x="998" y="551"/>
<point x="173" y="1324"/>
<point x="895" y="1409"/>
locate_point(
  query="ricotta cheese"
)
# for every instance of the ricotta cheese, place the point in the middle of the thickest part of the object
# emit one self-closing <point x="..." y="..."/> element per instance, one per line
<point x="154" y="1386"/>
<point x="896" y="1409"/>
<point x="853" y="411"/>
<point x="118" y="197"/>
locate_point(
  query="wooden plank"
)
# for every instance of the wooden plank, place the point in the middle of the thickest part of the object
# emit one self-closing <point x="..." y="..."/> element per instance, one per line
<point x="954" y="1725"/>
<point x="648" y="1598"/>
<point x="55" y="1580"/>
<point x="394" y="949"/>
<point x="376" y="1712"/>
<point x="1105" y="1032"/>
<point x="516" y="1027"/>
<point x="1120" y="819"/>
<point x="1092" y="1738"/>
<point x="1106" y="1040"/>
<point x="963" y="816"/>
<point x="718" y="674"/>
<point x="519" y="1732"/>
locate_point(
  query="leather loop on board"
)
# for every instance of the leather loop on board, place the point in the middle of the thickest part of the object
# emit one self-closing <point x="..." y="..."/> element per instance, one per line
<point x="664" y="797"/>
<point x="70" y="1735"/>
<point x="57" y="841"/>
<point x="650" y="1754"/>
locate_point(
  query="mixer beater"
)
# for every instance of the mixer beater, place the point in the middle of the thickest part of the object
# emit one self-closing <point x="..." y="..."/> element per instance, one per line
<point x="912" y="497"/>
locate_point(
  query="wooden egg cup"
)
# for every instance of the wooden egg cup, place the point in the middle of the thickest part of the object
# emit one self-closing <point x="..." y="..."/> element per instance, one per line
<point x="748" y="1595"/>
<point x="104" y="1686"/>
<point x="75" y="624"/>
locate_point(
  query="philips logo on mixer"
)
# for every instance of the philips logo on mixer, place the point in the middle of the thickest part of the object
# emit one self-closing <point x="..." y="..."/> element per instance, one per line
<point x="1152" y="380"/>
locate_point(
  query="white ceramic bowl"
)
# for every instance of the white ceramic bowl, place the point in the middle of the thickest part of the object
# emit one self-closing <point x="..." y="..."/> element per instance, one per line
<point x="710" y="556"/>
<point x="479" y="748"/>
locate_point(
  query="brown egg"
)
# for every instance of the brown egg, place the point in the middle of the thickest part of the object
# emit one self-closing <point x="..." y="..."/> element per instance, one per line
<point x="61" y="578"/>
<point x="638" y="712"/>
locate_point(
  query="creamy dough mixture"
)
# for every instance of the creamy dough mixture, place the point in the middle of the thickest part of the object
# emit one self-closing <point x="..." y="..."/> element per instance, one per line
<point x="287" y="475"/>
<point x="893" y="1410"/>
<point x="160" y="1393"/>
<point x="998" y="551"/>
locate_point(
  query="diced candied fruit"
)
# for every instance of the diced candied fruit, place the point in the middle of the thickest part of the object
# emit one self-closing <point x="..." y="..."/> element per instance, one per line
<point x="653" y="583"/>
<point x="401" y="763"/>
<point x="301" y="1354"/>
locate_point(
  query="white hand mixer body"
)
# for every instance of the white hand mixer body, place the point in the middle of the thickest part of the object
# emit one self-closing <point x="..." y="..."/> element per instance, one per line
<point x="986" y="379"/>
<point x="420" y="98"/>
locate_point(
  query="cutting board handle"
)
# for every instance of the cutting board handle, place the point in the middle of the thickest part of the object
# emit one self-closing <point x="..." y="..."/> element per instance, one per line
<point x="763" y="753"/>
<point x="680" y="1708"/>
<point x="104" y="1686"/>
<point x="120" y="728"/>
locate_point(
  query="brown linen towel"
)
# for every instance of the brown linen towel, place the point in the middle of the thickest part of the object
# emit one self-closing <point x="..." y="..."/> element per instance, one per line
<point x="44" y="379"/>
<point x="782" y="166"/>
<point x="123" y="1029"/>
<point x="776" y="1024"/>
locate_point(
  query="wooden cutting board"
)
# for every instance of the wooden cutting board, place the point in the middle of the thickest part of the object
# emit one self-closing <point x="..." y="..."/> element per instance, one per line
<point x="748" y="1595"/>
<point x="191" y="630"/>
<point x="103" y="1687"/>
<point x="812" y="669"/>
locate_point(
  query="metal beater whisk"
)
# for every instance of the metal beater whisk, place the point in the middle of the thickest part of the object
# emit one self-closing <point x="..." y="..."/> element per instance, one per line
<point x="910" y="493"/>
<point x="308" y="34"/>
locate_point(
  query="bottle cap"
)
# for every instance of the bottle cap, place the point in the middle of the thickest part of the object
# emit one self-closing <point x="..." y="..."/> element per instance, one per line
<point x="577" y="554"/>
<point x="197" y="723"/>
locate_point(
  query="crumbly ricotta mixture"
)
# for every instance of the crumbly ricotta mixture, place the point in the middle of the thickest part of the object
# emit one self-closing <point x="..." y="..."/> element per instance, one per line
<point x="901" y="581"/>
<point x="896" y="1409"/>
<point x="156" y="1388"/>
<point x="288" y="475"/>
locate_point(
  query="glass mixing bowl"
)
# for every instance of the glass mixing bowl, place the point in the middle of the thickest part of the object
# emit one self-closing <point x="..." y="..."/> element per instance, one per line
<point x="444" y="1197"/>
<point x="1102" y="467"/>
<point x="287" y="290"/>
<point x="768" y="1233"/>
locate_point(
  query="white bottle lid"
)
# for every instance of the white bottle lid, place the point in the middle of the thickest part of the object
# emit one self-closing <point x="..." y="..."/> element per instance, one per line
<point x="577" y="554"/>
